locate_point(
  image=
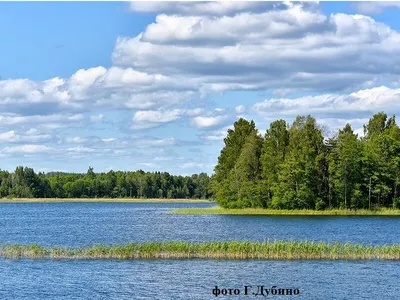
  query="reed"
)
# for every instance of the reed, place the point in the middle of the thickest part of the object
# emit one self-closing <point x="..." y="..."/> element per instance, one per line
<point x="269" y="250"/>
<point x="217" y="210"/>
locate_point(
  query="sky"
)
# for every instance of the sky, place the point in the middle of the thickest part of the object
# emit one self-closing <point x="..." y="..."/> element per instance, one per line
<point x="156" y="85"/>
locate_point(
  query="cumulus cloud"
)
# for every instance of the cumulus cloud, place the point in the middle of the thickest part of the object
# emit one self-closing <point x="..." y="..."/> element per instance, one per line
<point x="144" y="119"/>
<point x="12" y="137"/>
<point x="195" y="50"/>
<point x="155" y="142"/>
<point x="8" y="136"/>
<point x="54" y="120"/>
<point x="28" y="149"/>
<point x="149" y="165"/>
<point x="374" y="7"/>
<point x="91" y="88"/>
<point x="192" y="165"/>
<point x="151" y="118"/>
<point x="216" y="135"/>
<point x="81" y="149"/>
<point x="194" y="112"/>
<point x="240" y="109"/>
<point x="305" y="50"/>
<point x="215" y="8"/>
<point x="207" y="122"/>
<point x="96" y="118"/>
<point x="76" y="140"/>
<point x="162" y="158"/>
<point x="360" y="103"/>
<point x="108" y="140"/>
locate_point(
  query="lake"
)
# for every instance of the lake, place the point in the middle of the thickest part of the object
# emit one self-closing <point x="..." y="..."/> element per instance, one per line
<point x="80" y="224"/>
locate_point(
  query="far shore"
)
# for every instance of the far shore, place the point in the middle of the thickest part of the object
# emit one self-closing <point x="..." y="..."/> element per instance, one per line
<point x="138" y="200"/>
<point x="217" y="210"/>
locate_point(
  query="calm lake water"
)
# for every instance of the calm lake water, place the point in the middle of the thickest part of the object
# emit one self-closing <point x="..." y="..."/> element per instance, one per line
<point x="80" y="224"/>
<point x="195" y="279"/>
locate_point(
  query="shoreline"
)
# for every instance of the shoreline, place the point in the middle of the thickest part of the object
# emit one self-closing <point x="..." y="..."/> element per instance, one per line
<point x="236" y="250"/>
<point x="217" y="210"/>
<point x="105" y="200"/>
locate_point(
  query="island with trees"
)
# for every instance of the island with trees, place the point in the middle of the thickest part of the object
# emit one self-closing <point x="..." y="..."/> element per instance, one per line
<point x="295" y="167"/>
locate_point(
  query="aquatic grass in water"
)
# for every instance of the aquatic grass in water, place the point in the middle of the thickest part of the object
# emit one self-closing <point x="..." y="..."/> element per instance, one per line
<point x="282" y="250"/>
<point x="217" y="210"/>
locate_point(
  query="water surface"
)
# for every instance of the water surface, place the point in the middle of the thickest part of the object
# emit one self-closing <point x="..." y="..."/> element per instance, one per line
<point x="195" y="279"/>
<point x="81" y="224"/>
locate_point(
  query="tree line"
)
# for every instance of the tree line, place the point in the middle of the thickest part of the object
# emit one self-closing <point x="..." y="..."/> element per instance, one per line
<point x="295" y="167"/>
<point x="25" y="183"/>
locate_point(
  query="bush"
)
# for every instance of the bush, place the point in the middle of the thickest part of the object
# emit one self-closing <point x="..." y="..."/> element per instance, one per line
<point x="396" y="203"/>
<point x="320" y="204"/>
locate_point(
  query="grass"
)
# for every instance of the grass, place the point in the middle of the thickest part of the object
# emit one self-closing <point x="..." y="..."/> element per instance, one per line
<point x="217" y="210"/>
<point x="17" y="200"/>
<point x="271" y="250"/>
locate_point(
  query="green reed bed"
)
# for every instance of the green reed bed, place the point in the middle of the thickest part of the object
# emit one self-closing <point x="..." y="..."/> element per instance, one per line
<point x="217" y="210"/>
<point x="282" y="250"/>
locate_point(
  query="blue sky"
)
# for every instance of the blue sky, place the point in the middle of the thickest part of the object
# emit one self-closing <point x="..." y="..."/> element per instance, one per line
<point x="155" y="86"/>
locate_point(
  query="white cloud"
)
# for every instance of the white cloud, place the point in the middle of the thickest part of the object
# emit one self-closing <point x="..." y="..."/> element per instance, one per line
<point x="152" y="118"/>
<point x="14" y="119"/>
<point x="149" y="165"/>
<point x="29" y="149"/>
<point x="192" y="165"/>
<point x="96" y="118"/>
<point x="363" y="102"/>
<point x="216" y="8"/>
<point x="109" y="140"/>
<point x="194" y="112"/>
<point x="32" y="131"/>
<point x="81" y="149"/>
<point x="162" y="158"/>
<point x="307" y="50"/>
<point x="217" y="135"/>
<point x="155" y="142"/>
<point x="76" y="140"/>
<point x="207" y="122"/>
<point x="12" y="137"/>
<point x="170" y="71"/>
<point x="240" y="109"/>
<point x="8" y="136"/>
<point x="94" y="88"/>
<point x="375" y="7"/>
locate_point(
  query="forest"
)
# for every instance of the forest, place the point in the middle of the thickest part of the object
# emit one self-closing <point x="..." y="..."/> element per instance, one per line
<point x="293" y="166"/>
<point x="296" y="167"/>
<point x="25" y="183"/>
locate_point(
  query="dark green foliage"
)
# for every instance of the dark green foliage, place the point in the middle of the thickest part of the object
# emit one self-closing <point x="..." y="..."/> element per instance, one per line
<point x="295" y="168"/>
<point x="238" y="166"/>
<point x="25" y="183"/>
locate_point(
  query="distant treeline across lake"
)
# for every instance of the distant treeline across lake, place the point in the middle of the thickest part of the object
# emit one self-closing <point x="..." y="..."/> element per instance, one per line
<point x="25" y="183"/>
